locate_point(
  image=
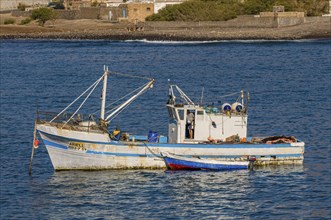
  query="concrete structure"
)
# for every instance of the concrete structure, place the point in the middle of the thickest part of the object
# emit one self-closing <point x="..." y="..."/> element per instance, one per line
<point x="283" y="19"/>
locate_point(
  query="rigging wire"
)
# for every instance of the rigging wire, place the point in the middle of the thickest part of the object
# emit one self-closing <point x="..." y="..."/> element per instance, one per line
<point x="82" y="102"/>
<point x="94" y="84"/>
<point x="114" y="116"/>
<point x="119" y="100"/>
<point x="127" y="75"/>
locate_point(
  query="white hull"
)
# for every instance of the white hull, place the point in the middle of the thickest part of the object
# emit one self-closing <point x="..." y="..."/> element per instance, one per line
<point x="70" y="150"/>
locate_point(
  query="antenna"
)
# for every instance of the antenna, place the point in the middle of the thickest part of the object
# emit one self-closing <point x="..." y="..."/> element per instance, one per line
<point x="203" y="89"/>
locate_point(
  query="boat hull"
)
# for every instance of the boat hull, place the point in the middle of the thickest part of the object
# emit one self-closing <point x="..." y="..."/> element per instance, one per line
<point x="73" y="150"/>
<point x="175" y="162"/>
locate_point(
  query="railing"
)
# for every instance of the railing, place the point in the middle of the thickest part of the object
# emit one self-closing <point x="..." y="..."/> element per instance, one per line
<point x="80" y="122"/>
<point x="48" y="116"/>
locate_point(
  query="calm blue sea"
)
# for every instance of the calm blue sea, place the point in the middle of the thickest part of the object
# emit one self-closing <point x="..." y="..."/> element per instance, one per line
<point x="290" y="87"/>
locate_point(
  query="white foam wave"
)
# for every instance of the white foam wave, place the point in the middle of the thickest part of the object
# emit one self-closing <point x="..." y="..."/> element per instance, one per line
<point x="172" y="42"/>
<point x="215" y="41"/>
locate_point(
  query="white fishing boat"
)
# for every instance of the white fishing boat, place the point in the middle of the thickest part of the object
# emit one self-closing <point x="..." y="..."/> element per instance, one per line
<point x="217" y="132"/>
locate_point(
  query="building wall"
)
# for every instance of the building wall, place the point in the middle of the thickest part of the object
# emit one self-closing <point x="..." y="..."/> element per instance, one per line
<point x="139" y="11"/>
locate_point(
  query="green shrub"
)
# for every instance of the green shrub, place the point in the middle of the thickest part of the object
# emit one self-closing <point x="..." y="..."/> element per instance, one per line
<point x="196" y="10"/>
<point x="222" y="10"/>
<point x="43" y="14"/>
<point x="9" y="21"/>
<point x="253" y="7"/>
<point x="26" y="21"/>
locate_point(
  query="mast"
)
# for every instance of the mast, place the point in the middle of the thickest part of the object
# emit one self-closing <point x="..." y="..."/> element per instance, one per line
<point x="104" y="89"/>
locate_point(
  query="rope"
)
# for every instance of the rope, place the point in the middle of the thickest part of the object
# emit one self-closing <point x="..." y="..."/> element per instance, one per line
<point x="96" y="82"/>
<point x="114" y="116"/>
<point x="127" y="75"/>
<point x="231" y="94"/>
<point x="124" y="97"/>
<point x="215" y="97"/>
<point x="152" y="151"/>
<point x="119" y="100"/>
<point x="126" y="103"/>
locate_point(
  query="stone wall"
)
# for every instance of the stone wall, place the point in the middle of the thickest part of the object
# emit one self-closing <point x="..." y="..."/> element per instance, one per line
<point x="69" y="14"/>
<point x="317" y="19"/>
<point x="289" y="21"/>
<point x="90" y="13"/>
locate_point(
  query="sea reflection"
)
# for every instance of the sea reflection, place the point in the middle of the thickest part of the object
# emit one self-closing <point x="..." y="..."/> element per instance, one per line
<point x="221" y="194"/>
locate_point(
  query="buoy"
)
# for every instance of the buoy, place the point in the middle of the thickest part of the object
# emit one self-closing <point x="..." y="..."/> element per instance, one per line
<point x="36" y="143"/>
<point x="226" y="107"/>
<point x="236" y="107"/>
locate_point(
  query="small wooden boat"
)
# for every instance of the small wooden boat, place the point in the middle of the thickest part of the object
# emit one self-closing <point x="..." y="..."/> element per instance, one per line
<point x="176" y="162"/>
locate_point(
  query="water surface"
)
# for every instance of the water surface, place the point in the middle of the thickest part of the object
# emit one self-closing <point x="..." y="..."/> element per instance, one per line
<point x="289" y="83"/>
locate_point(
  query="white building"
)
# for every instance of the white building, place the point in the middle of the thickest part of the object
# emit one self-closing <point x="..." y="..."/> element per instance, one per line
<point x="113" y="3"/>
<point x="159" y="4"/>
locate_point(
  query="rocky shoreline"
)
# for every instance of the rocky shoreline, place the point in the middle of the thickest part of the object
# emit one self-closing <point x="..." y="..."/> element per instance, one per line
<point x="97" y="30"/>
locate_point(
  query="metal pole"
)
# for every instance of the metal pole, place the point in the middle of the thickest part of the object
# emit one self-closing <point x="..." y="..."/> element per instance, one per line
<point x="103" y="97"/>
<point x="32" y="153"/>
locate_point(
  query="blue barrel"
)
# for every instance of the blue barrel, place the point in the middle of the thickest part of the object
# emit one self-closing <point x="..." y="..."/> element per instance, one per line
<point x="152" y="137"/>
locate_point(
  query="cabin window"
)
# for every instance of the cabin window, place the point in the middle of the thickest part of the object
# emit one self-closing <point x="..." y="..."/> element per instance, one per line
<point x="148" y="9"/>
<point x="181" y="114"/>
